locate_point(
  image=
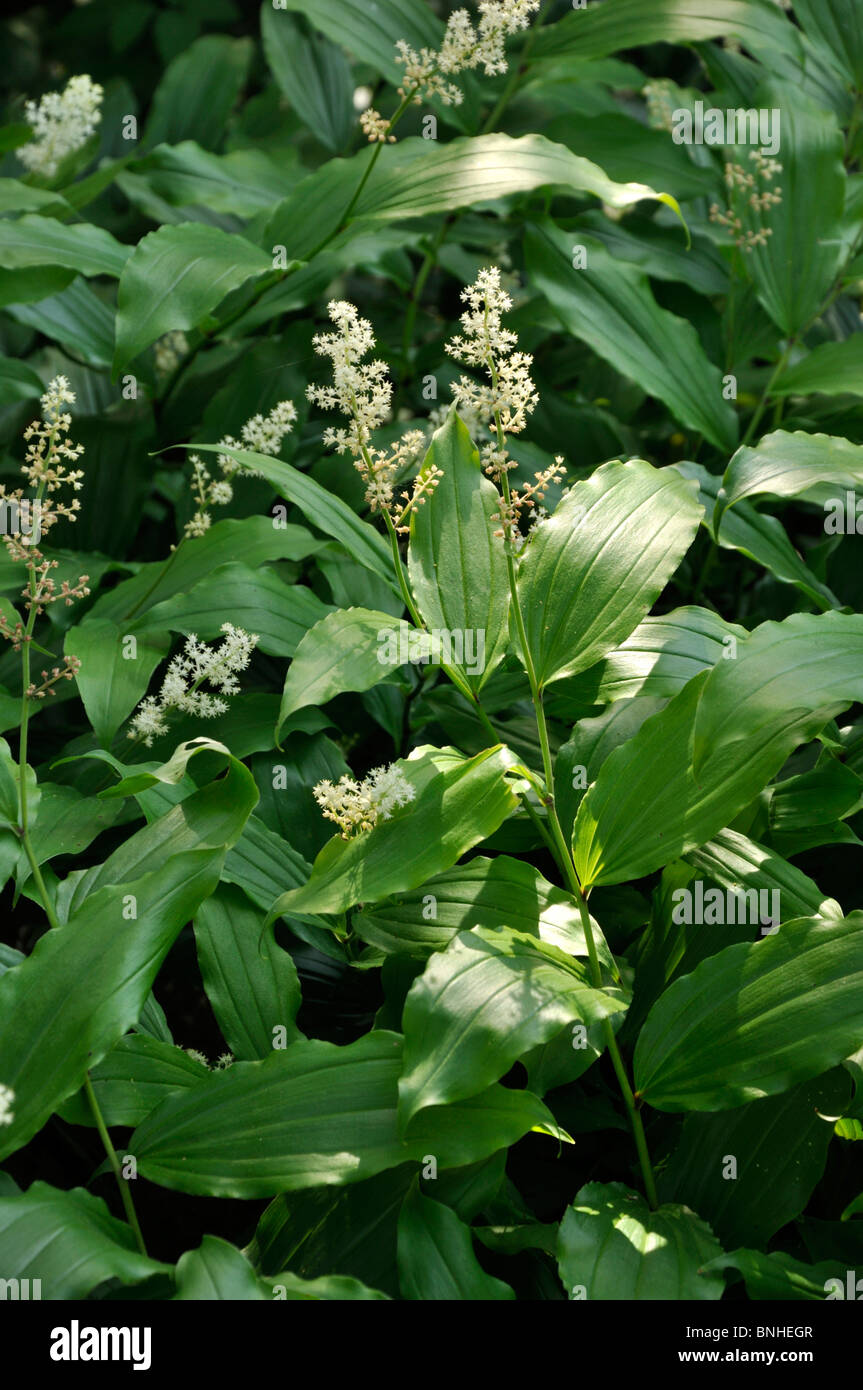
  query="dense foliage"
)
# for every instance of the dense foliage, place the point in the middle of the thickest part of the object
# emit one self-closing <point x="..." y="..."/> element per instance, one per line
<point x="432" y="769"/>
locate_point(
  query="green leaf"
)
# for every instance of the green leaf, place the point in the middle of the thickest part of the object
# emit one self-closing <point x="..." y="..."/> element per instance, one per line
<point x="198" y="90"/>
<point x="16" y="196"/>
<point x="371" y="34"/>
<point x="484" y="1001"/>
<point x="313" y="74"/>
<point x="331" y="1288"/>
<point x="174" y="278"/>
<point x="436" y="1255"/>
<point x="694" y="766"/>
<point x="74" y="316"/>
<point x="217" y="1270"/>
<point x="778" y="1147"/>
<point x="242" y="182"/>
<point x="254" y="993"/>
<point x="760" y="536"/>
<point x="779" y="1277"/>
<point x="322" y="508"/>
<point x="610" y="306"/>
<point x="459" y="801"/>
<point x="115" y="671"/>
<point x="315" y="1114"/>
<point x="591" y="572"/>
<point x="132" y="1079"/>
<point x="258" y="601"/>
<point x="351" y="649"/>
<point x="457" y="566"/>
<point x="79" y="246"/>
<point x="85" y="983"/>
<point x="500" y="892"/>
<point x="832" y="369"/>
<point x="611" y="1246"/>
<point x="416" y="178"/>
<point x="755" y="1019"/>
<point x="18" y="382"/>
<point x="837" y="24"/>
<point x="732" y="860"/>
<point x="819" y="467"/>
<point x="69" y="1241"/>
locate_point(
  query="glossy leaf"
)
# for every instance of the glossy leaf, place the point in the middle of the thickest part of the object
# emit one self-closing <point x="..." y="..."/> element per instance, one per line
<point x="436" y="1256"/>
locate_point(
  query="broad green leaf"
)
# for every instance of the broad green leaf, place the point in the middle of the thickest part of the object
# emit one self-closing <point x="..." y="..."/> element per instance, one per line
<point x="627" y="149"/>
<point x="323" y="509"/>
<point x="751" y="1171"/>
<point x="132" y="1079"/>
<point x="416" y="178"/>
<point x="85" y="984"/>
<point x="371" y="33"/>
<point x="69" y="1241"/>
<point x="779" y="1277"/>
<point x="312" y="73"/>
<point x="611" y="1246"/>
<point x="759" y="535"/>
<point x="499" y="892"/>
<point x="756" y="1018"/>
<point x="591" y="571"/>
<point x="261" y="863"/>
<point x="174" y="278"/>
<point x="66" y="823"/>
<point x="10" y="785"/>
<point x="217" y="1270"/>
<point x="832" y="369"/>
<point x="458" y="802"/>
<point x="610" y="306"/>
<point x="578" y="761"/>
<point x="480" y="1004"/>
<point x="820" y="467"/>
<point x="436" y="1255"/>
<point x="258" y="601"/>
<point x="34" y="240"/>
<point x="837" y="24"/>
<point x="242" y="182"/>
<point x="68" y="313"/>
<point x="18" y="382"/>
<point x="254" y="991"/>
<point x="16" y="196"/>
<point x="336" y="1288"/>
<point x="350" y="649"/>
<point x="314" y="1115"/>
<point x="694" y="766"/>
<point x="198" y="90"/>
<point x="253" y="537"/>
<point x="457" y="566"/>
<point x="115" y="671"/>
<point x="733" y="860"/>
<point x="657" y="660"/>
<point x="759" y="25"/>
<point x="794" y="269"/>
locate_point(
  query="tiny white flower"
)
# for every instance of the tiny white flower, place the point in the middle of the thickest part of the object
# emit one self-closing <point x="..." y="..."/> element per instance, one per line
<point x="7" y="1100"/>
<point x="358" y="806"/>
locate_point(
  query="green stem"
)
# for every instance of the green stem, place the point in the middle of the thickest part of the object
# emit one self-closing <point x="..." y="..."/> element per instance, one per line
<point x="156" y="582"/>
<point x="111" y="1152"/>
<point x="765" y="395"/>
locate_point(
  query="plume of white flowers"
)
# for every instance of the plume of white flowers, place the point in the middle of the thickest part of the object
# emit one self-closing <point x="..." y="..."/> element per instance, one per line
<point x="194" y="666"/>
<point x="357" y="806"/>
<point x="264" y="434"/>
<point x="7" y="1100"/>
<point x="61" y="122"/>
<point x="502" y="402"/>
<point x="362" y="392"/>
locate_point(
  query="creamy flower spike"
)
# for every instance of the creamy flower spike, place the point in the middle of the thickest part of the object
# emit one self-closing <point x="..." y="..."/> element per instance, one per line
<point x="262" y="433"/>
<point x="7" y="1100"/>
<point x="363" y="394"/>
<point x="358" y="806"/>
<point x="61" y="122"/>
<point x="195" y="665"/>
<point x="504" y="402"/>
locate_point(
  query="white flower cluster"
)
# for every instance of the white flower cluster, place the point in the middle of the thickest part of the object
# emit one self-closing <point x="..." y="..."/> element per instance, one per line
<point x="358" y="806"/>
<point x="509" y="396"/>
<point x="61" y="123"/>
<point x="362" y="392"/>
<point x="464" y="47"/>
<point x="264" y="434"/>
<point x="168" y="351"/>
<point x="188" y="671"/>
<point x="7" y="1100"/>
